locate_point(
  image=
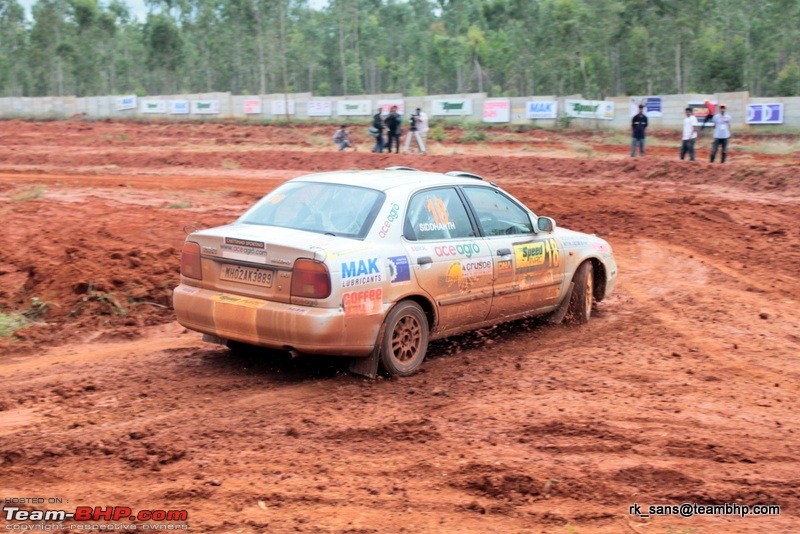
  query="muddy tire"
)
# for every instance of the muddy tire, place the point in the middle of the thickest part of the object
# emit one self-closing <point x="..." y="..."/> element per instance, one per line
<point x="580" y="304"/>
<point x="405" y="339"/>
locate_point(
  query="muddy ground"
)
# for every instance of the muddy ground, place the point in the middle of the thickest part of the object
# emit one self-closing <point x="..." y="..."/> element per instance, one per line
<point x="682" y="389"/>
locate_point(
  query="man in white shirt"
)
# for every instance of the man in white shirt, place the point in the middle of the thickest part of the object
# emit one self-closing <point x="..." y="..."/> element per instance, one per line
<point x="689" y="134"/>
<point x="722" y="133"/>
<point x="418" y="129"/>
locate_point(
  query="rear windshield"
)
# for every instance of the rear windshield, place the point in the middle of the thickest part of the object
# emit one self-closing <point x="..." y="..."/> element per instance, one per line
<point x="334" y="209"/>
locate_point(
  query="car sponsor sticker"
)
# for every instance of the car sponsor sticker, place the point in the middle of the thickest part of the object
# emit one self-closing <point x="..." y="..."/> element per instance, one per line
<point x="536" y="255"/>
<point x="393" y="215"/>
<point x="399" y="269"/>
<point x="239" y="301"/>
<point x="462" y="249"/>
<point x="478" y="267"/>
<point x="363" y="271"/>
<point x="505" y="268"/>
<point x="365" y="302"/>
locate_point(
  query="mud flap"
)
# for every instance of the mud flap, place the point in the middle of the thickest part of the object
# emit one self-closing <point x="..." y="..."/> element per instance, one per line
<point x="558" y="315"/>
<point x="366" y="366"/>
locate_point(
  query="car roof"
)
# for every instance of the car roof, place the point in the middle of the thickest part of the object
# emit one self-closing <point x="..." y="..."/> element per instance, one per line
<point x="385" y="179"/>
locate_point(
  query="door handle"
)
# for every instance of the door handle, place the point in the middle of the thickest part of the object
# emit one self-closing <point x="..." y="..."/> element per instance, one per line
<point x="424" y="260"/>
<point x="504" y="252"/>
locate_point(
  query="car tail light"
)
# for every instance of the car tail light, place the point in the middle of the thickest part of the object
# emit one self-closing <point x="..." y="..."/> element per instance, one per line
<point x="190" y="261"/>
<point x="310" y="279"/>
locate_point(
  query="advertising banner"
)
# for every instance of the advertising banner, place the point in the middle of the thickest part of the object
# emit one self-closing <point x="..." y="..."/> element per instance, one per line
<point x="353" y="107"/>
<point x="653" y="105"/>
<point x="541" y="110"/>
<point x="452" y="107"/>
<point x="386" y="105"/>
<point x="589" y="109"/>
<point x="496" y="110"/>
<point x="152" y="106"/>
<point x="126" y="102"/>
<point x="205" y="107"/>
<point x="320" y="108"/>
<point x="278" y="107"/>
<point x="252" y="106"/>
<point x="765" y="114"/>
<point x="178" y="107"/>
<point x="699" y="109"/>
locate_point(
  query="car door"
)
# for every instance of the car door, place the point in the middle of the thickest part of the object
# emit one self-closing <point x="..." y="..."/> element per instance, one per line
<point x="529" y="271"/>
<point x="451" y="262"/>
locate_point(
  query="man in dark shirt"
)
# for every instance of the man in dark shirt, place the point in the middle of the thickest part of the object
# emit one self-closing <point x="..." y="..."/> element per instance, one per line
<point x="638" y="127"/>
<point x="393" y="130"/>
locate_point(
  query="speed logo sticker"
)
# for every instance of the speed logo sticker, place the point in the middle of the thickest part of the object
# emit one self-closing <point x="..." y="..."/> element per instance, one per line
<point x="536" y="255"/>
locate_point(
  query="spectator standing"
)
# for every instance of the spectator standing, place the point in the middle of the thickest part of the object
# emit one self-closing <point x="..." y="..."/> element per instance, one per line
<point x="413" y="131"/>
<point x="689" y="134"/>
<point x="342" y="138"/>
<point x="722" y="133"/>
<point x="422" y="126"/>
<point x="376" y="130"/>
<point x="393" y="125"/>
<point x="710" y="109"/>
<point x="638" y="127"/>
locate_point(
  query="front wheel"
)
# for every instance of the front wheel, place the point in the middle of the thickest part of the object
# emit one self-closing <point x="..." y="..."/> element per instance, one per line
<point x="580" y="304"/>
<point x="405" y="339"/>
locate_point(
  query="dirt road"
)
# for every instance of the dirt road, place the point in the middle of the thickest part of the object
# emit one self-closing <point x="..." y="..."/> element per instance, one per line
<point x="682" y="389"/>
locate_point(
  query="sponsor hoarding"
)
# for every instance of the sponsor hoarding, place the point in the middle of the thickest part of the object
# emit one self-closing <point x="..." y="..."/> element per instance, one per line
<point x="386" y="106"/>
<point x="653" y="105"/>
<point x="152" y="106"/>
<point x="205" y="107"/>
<point x="497" y="110"/>
<point x="319" y="108"/>
<point x="252" y="106"/>
<point x="589" y="109"/>
<point x="178" y="107"/>
<point x="765" y="114"/>
<point x="456" y="106"/>
<point x="541" y="110"/>
<point x="353" y="107"/>
<point x="126" y="102"/>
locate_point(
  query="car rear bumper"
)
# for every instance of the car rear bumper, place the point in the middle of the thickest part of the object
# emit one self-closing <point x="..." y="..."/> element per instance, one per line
<point x="275" y="324"/>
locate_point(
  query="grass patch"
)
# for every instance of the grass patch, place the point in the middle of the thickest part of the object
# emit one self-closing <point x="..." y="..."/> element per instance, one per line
<point x="230" y="165"/>
<point x="182" y="205"/>
<point x="474" y="136"/>
<point x="29" y="193"/>
<point x="11" y="322"/>
<point x="776" y="147"/>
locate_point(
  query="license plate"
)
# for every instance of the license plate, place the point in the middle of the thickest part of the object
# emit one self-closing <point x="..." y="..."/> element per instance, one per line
<point x="247" y="275"/>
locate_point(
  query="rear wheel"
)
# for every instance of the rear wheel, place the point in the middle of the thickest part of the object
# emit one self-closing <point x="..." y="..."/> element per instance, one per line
<point x="405" y="339"/>
<point x="580" y="304"/>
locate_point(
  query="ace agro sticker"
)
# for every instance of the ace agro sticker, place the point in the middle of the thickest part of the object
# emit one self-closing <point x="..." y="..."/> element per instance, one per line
<point x="319" y="108"/>
<point x="589" y="109"/>
<point x="279" y="107"/>
<point x="497" y="111"/>
<point x="765" y="114"/>
<point x="126" y="102"/>
<point x="363" y="271"/>
<point x="541" y="110"/>
<point x="153" y="106"/>
<point x="452" y="107"/>
<point x="252" y="106"/>
<point x="365" y="302"/>
<point x="178" y="107"/>
<point x="346" y="108"/>
<point x="205" y="107"/>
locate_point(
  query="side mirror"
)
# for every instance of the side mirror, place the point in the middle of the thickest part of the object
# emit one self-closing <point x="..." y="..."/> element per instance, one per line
<point x="546" y="224"/>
